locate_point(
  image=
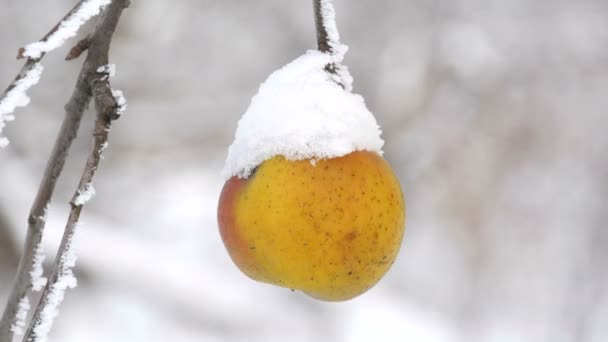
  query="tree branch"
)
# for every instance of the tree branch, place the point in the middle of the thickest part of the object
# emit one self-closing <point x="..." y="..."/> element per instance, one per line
<point x="20" y="53"/>
<point x="31" y="62"/>
<point x="36" y="220"/>
<point x="98" y="86"/>
<point x="328" y="41"/>
<point x="15" y="94"/>
<point x="322" y="36"/>
<point x="88" y="85"/>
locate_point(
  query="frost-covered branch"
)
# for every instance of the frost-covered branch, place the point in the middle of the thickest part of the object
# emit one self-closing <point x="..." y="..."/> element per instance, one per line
<point x="328" y="41"/>
<point x="31" y="259"/>
<point x="64" y="30"/>
<point x="19" y="324"/>
<point x="90" y="84"/>
<point x="15" y="95"/>
<point x="320" y="7"/>
<point x="107" y="108"/>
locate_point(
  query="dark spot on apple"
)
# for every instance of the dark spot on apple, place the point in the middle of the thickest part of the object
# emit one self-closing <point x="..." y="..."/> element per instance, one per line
<point x="351" y="236"/>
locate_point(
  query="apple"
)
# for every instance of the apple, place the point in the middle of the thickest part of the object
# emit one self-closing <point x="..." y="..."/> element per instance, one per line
<point x="330" y="228"/>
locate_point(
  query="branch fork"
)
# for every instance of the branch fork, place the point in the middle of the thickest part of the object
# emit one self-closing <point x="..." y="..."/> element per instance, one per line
<point x="89" y="86"/>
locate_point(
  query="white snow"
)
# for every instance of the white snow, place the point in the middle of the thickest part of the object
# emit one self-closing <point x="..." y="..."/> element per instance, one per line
<point x="67" y="28"/>
<point x="36" y="274"/>
<point x="85" y="194"/>
<point x="45" y="213"/>
<point x="65" y="280"/>
<point x="109" y="69"/>
<point x="22" y="309"/>
<point x="120" y="100"/>
<point x="300" y="113"/>
<point x="103" y="148"/>
<point x="17" y="97"/>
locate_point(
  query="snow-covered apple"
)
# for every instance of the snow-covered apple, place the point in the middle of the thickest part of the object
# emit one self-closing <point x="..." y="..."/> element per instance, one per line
<point x="309" y="203"/>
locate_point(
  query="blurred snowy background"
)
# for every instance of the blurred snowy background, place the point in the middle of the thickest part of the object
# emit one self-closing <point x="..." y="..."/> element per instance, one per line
<point x="494" y="116"/>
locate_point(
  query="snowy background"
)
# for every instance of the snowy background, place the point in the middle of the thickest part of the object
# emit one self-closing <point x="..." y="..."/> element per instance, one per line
<point x="494" y="115"/>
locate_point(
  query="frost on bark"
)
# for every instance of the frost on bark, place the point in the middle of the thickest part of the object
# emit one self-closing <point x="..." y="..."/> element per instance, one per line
<point x="91" y="85"/>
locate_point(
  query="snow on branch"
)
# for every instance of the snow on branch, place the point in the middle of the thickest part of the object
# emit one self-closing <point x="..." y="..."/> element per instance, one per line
<point x="95" y="74"/>
<point x="89" y="85"/>
<point x="63" y="279"/>
<point x="23" y="309"/>
<point x="109" y="71"/>
<point x="37" y="272"/>
<point x="15" y="95"/>
<point x="85" y="194"/>
<point x="328" y="41"/>
<point x="121" y="100"/>
<point x="329" y="37"/>
<point x="65" y="30"/>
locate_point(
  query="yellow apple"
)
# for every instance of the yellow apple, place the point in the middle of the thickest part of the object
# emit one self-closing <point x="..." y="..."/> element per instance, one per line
<point x="330" y="228"/>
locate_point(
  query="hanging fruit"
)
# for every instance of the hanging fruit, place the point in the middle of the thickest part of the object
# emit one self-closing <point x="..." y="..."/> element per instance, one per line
<point x="309" y="202"/>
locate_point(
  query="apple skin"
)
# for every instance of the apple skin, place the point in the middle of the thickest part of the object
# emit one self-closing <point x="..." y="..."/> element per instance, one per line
<point x="331" y="230"/>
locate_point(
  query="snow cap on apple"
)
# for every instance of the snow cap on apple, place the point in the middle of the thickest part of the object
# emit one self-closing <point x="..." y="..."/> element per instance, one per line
<point x="301" y="112"/>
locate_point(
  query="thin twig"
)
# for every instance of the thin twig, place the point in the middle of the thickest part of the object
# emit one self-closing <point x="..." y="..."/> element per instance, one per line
<point x="31" y="62"/>
<point x="68" y="131"/>
<point x="328" y="42"/>
<point x="20" y="53"/>
<point x="98" y="86"/>
<point x="15" y="95"/>
<point x="322" y="36"/>
<point x="78" y="49"/>
<point x="74" y="110"/>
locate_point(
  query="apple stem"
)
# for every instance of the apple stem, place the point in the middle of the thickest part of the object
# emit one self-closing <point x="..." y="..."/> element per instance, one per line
<point x="322" y="36"/>
<point x="328" y="40"/>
